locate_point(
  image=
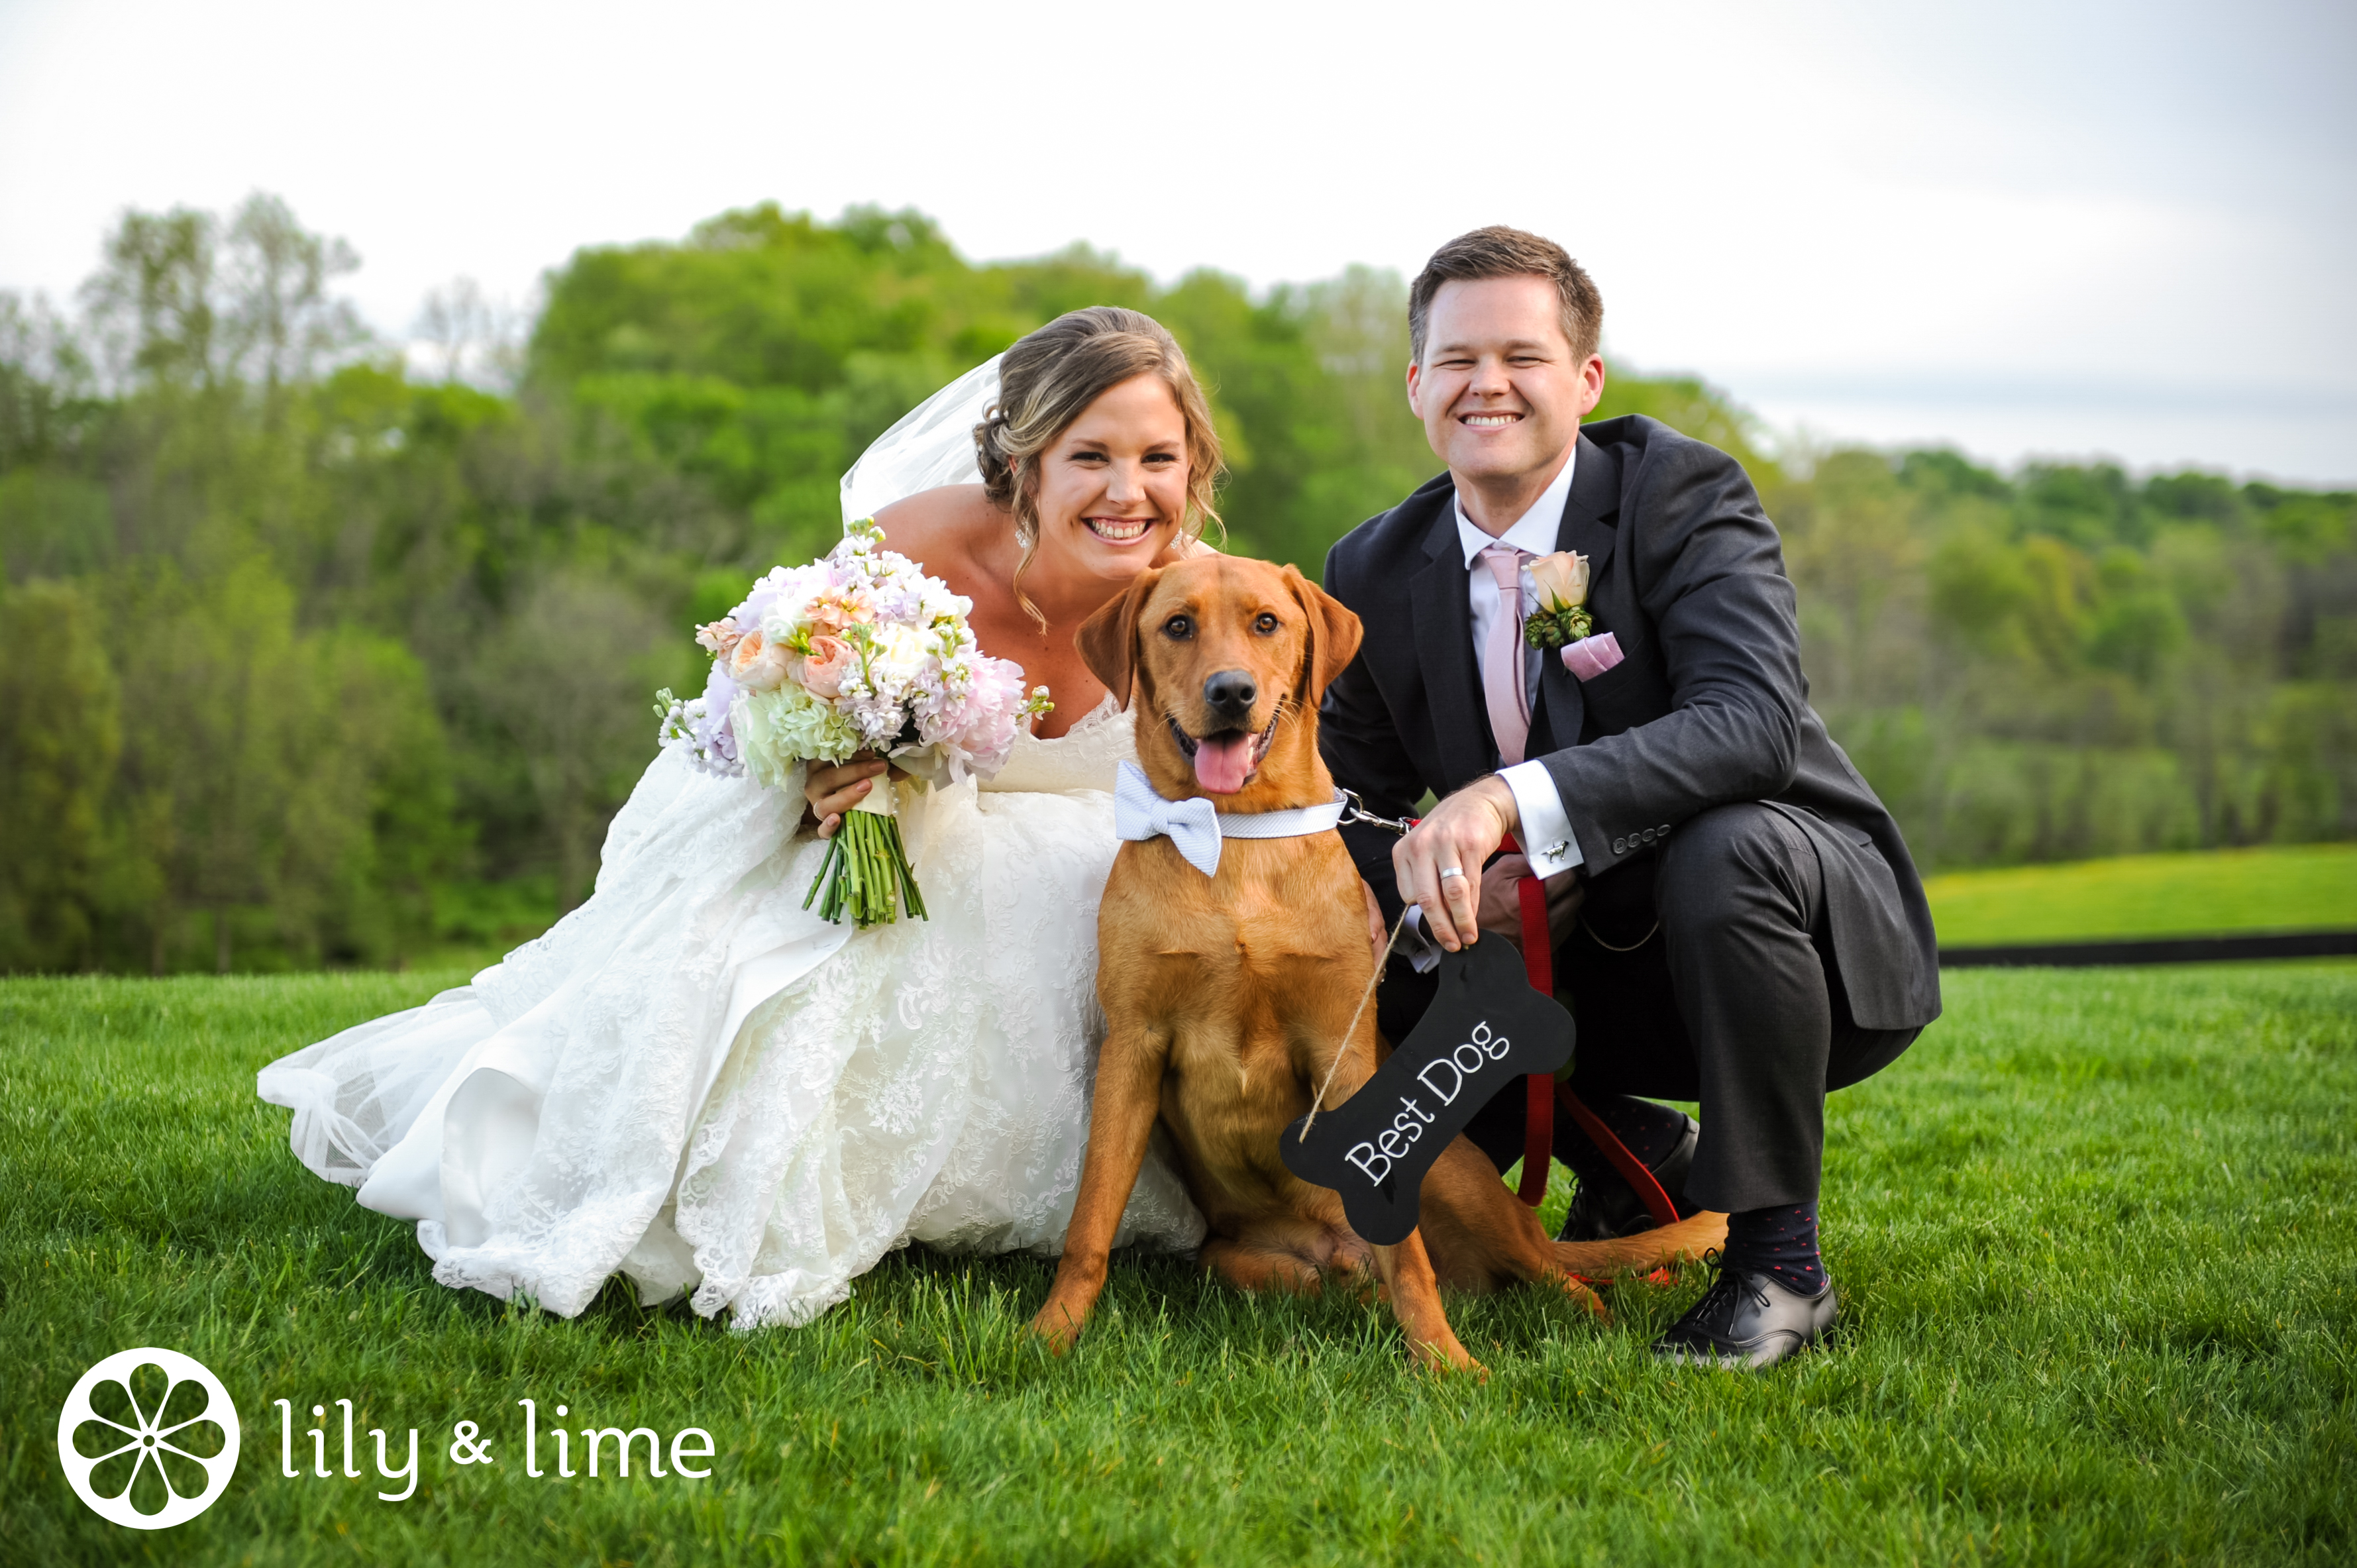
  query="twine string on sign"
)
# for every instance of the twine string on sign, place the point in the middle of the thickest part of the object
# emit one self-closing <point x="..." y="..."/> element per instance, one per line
<point x="1356" y="1014"/>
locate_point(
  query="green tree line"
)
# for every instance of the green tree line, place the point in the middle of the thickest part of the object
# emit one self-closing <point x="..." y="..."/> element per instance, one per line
<point x="306" y="658"/>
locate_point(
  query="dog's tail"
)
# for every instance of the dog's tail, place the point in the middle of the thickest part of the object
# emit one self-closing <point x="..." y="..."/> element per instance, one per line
<point x="1684" y="1242"/>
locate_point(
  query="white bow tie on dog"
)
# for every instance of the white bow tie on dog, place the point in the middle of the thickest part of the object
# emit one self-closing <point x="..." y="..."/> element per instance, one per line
<point x="1196" y="826"/>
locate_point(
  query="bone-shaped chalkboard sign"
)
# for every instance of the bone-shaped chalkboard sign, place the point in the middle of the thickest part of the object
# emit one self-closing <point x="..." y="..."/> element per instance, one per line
<point x="1485" y="1030"/>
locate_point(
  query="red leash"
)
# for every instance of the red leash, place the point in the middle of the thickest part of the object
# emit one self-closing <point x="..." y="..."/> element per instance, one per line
<point x="1541" y="1092"/>
<point x="1632" y="1169"/>
<point x="1538" y="1088"/>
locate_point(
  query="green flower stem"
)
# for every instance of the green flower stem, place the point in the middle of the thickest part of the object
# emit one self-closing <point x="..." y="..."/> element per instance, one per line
<point x="833" y="853"/>
<point x="866" y="871"/>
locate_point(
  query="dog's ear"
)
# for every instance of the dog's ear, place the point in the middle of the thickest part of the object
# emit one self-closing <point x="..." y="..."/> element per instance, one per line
<point x="1108" y="640"/>
<point x="1334" y="632"/>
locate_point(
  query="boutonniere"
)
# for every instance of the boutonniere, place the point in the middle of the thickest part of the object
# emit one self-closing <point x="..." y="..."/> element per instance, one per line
<point x="1562" y="616"/>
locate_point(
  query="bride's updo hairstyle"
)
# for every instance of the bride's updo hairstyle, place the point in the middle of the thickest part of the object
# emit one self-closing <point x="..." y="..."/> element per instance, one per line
<point x="1049" y="379"/>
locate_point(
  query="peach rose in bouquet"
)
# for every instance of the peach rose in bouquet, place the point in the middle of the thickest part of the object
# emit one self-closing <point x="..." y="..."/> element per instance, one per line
<point x="830" y="658"/>
<point x="757" y="664"/>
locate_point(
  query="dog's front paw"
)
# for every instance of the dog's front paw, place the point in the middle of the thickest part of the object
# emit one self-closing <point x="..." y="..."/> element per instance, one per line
<point x="1579" y="1292"/>
<point x="1445" y="1353"/>
<point x="1058" y="1326"/>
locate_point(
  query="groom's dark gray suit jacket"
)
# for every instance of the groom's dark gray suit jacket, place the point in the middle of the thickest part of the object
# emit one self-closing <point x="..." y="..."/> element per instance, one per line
<point x="1708" y="707"/>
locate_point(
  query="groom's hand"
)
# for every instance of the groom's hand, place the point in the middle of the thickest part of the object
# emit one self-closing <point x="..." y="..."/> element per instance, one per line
<point x="1462" y="832"/>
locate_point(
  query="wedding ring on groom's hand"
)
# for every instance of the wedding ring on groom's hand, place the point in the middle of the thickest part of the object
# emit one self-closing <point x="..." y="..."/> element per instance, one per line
<point x="1448" y="871"/>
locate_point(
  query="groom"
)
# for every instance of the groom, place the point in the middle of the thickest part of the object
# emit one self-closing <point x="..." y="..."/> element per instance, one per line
<point x="1734" y="914"/>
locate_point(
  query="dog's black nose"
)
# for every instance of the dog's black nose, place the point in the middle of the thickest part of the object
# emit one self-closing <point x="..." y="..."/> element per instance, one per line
<point x="1230" y="694"/>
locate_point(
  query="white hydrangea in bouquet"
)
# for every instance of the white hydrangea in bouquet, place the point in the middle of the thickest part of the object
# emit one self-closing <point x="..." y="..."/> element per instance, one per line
<point x="858" y="651"/>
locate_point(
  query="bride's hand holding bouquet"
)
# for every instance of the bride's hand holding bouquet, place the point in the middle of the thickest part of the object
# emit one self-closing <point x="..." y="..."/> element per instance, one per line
<point x="833" y="789"/>
<point x="858" y="655"/>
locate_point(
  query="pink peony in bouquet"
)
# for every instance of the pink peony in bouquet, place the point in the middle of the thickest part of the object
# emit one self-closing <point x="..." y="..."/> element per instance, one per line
<point x="858" y="651"/>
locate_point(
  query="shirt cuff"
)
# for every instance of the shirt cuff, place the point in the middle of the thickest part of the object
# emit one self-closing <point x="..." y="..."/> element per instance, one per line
<point x="1422" y="955"/>
<point x="1546" y="831"/>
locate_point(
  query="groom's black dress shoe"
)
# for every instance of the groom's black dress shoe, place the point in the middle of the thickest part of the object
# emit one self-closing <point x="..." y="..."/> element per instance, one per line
<point x="1748" y="1320"/>
<point x="1608" y="1207"/>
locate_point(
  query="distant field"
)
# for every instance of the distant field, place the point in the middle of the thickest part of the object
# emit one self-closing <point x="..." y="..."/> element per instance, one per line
<point x="2091" y="1232"/>
<point x="2293" y="888"/>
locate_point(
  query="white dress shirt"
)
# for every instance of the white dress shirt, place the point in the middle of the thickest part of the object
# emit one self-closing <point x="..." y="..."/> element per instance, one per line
<point x="1545" y="830"/>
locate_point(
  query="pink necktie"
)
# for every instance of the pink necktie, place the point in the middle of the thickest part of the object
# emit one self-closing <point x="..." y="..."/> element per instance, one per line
<point x="1502" y="659"/>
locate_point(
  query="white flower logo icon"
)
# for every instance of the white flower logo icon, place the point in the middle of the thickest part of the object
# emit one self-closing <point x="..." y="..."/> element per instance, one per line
<point x="112" y="1434"/>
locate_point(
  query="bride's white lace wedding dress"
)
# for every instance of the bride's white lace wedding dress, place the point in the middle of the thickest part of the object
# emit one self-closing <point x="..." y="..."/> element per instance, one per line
<point x="692" y="1082"/>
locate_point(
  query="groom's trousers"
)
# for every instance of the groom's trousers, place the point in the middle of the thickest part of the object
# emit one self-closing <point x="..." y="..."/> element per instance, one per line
<point x="1703" y="972"/>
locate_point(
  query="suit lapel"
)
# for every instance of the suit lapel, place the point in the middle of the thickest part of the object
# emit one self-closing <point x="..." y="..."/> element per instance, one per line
<point x="1586" y="527"/>
<point x="1444" y="650"/>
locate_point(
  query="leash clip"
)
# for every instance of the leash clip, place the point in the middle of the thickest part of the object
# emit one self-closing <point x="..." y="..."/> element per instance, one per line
<point x="1357" y="811"/>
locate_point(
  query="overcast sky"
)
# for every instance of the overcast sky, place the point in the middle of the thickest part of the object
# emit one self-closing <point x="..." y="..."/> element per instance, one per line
<point x="2064" y="228"/>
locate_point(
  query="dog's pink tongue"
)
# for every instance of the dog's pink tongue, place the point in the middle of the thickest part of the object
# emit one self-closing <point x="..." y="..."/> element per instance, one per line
<point x="1222" y="765"/>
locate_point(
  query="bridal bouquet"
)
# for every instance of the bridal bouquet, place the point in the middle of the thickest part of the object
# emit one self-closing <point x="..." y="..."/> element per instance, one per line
<point x="859" y="650"/>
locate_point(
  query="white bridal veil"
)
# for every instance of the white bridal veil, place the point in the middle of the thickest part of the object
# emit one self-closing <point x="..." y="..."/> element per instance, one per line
<point x="930" y="446"/>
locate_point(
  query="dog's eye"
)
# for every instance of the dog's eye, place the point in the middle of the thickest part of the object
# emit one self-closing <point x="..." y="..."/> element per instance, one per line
<point x="1178" y="628"/>
<point x="1264" y="623"/>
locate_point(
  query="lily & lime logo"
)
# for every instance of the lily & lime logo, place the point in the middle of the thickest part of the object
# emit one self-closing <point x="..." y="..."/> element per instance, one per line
<point x="146" y="1410"/>
<point x="148" y="1439"/>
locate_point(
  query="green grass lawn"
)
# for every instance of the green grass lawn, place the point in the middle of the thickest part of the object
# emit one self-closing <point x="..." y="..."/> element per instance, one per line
<point x="2292" y="888"/>
<point x="2094" y="1231"/>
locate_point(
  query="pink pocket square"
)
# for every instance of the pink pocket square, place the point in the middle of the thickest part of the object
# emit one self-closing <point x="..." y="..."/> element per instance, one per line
<point x="1592" y="656"/>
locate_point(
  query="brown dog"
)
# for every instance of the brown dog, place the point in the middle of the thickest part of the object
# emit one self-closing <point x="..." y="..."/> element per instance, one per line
<point x="1225" y="997"/>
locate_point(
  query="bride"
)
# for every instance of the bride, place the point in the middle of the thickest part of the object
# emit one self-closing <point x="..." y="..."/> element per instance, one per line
<point x="692" y="1082"/>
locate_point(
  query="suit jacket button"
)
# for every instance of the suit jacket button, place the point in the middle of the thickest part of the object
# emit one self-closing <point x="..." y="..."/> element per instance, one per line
<point x="1620" y="846"/>
<point x="1665" y="830"/>
<point x="1647" y="835"/>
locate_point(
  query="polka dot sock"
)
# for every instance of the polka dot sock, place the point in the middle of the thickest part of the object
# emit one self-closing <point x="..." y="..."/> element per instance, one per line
<point x="1780" y="1242"/>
